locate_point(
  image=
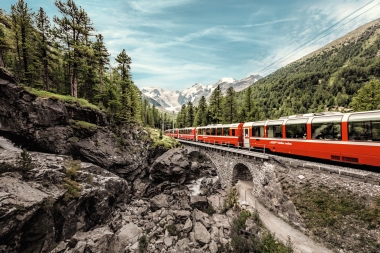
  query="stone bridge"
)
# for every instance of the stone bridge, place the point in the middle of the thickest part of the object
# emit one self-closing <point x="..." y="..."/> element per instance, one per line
<point x="232" y="167"/>
<point x="233" y="164"/>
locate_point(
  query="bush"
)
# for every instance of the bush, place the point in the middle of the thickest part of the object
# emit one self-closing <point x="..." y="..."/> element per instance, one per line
<point x="24" y="162"/>
<point x="209" y="210"/>
<point x="231" y="200"/>
<point x="7" y="167"/>
<point x="143" y="244"/>
<point x="172" y="230"/>
<point x="73" y="189"/>
<point x="72" y="170"/>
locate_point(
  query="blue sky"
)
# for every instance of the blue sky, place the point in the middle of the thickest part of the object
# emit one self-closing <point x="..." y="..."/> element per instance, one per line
<point x="177" y="43"/>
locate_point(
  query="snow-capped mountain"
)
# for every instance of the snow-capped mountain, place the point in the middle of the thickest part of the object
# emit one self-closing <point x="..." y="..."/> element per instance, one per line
<point x="173" y="100"/>
<point x="166" y="99"/>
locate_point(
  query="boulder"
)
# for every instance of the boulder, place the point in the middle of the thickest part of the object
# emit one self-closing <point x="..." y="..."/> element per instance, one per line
<point x="199" y="202"/>
<point x="172" y="166"/>
<point x="213" y="247"/>
<point x="188" y="226"/>
<point x="127" y="236"/>
<point x="158" y="202"/>
<point x="201" y="234"/>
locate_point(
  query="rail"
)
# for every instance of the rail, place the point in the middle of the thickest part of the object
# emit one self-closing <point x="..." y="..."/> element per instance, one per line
<point x="238" y="150"/>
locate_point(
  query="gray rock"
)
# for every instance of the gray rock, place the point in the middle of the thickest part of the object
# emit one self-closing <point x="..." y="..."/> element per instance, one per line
<point x="199" y="202"/>
<point x="188" y="226"/>
<point x="158" y="202"/>
<point x="201" y="234"/>
<point x="128" y="235"/>
<point x="172" y="166"/>
<point x="168" y="241"/>
<point x="213" y="247"/>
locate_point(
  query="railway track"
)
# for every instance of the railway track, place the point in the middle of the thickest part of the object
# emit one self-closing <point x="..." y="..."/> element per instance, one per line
<point x="363" y="173"/>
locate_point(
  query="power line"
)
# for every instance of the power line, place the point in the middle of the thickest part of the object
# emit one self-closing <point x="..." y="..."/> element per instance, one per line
<point x="318" y="37"/>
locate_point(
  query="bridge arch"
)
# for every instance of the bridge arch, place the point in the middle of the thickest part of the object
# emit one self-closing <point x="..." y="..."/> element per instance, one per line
<point x="241" y="172"/>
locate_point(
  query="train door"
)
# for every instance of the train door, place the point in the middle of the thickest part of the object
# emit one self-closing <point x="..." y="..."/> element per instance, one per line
<point x="246" y="137"/>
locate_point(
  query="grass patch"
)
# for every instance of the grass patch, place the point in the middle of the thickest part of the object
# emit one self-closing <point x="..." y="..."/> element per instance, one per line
<point x="82" y="124"/>
<point x="64" y="98"/>
<point x="143" y="243"/>
<point x="339" y="217"/>
<point x="165" y="142"/>
<point x="73" y="139"/>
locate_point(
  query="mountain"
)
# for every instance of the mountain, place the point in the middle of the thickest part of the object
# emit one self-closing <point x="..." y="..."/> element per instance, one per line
<point x="324" y="80"/>
<point x="173" y="100"/>
<point x="162" y="99"/>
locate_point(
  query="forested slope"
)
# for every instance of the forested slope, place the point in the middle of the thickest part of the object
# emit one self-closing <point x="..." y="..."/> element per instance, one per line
<point x="324" y="80"/>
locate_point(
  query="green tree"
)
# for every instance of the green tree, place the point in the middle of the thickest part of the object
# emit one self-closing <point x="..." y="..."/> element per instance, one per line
<point x="200" y="116"/>
<point x="44" y="43"/>
<point x="73" y="29"/>
<point x="249" y="113"/>
<point x="215" y="107"/>
<point x="230" y="106"/>
<point x="102" y="57"/>
<point x="22" y="27"/>
<point x="5" y="42"/>
<point x="368" y="97"/>
<point x="190" y="114"/>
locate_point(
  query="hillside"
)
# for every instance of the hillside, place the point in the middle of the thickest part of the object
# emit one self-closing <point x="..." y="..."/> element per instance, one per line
<point x="325" y="79"/>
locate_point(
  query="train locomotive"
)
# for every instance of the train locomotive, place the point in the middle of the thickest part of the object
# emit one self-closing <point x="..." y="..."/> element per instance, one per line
<point x="345" y="137"/>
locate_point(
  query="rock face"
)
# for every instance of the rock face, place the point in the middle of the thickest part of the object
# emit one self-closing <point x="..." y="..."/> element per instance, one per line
<point x="38" y="212"/>
<point x="46" y="124"/>
<point x="172" y="165"/>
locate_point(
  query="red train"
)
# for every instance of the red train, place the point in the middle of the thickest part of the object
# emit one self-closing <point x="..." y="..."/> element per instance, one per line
<point x="348" y="137"/>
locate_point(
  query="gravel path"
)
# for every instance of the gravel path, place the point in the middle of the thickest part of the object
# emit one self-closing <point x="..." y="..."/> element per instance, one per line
<point x="282" y="230"/>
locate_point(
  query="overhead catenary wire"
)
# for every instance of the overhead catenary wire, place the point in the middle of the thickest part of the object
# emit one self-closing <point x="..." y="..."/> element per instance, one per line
<point x="319" y="36"/>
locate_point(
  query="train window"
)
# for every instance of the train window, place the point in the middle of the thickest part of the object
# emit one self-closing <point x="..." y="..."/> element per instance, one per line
<point x="274" y="131"/>
<point x="233" y="132"/>
<point x="219" y="131"/>
<point x="226" y="131"/>
<point x="258" y="131"/>
<point x="207" y="131"/>
<point x="326" y="128"/>
<point x="364" y="127"/>
<point x="296" y="128"/>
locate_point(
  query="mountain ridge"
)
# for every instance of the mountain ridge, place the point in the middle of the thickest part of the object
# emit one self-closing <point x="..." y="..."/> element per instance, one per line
<point x="173" y="100"/>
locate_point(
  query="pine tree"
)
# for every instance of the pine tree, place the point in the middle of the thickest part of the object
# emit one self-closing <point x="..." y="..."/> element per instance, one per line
<point x="230" y="106"/>
<point x="190" y="114"/>
<point x="73" y="29"/>
<point x="5" y="43"/>
<point x="215" y="108"/>
<point x="44" y="43"/>
<point x="23" y="31"/>
<point x="249" y="111"/>
<point x="102" y="56"/>
<point x="201" y="112"/>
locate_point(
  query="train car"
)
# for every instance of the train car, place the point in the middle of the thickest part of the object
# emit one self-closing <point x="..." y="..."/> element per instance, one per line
<point x="188" y="133"/>
<point x="171" y="132"/>
<point x="228" y="134"/>
<point x="349" y="137"/>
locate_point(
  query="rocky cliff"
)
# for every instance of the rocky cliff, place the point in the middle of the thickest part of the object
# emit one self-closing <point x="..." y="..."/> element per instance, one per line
<point x="50" y="125"/>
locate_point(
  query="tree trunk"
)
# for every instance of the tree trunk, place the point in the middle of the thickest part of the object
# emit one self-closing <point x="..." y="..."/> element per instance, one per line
<point x="101" y="79"/>
<point x="1" y="60"/>
<point x="75" y="79"/>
